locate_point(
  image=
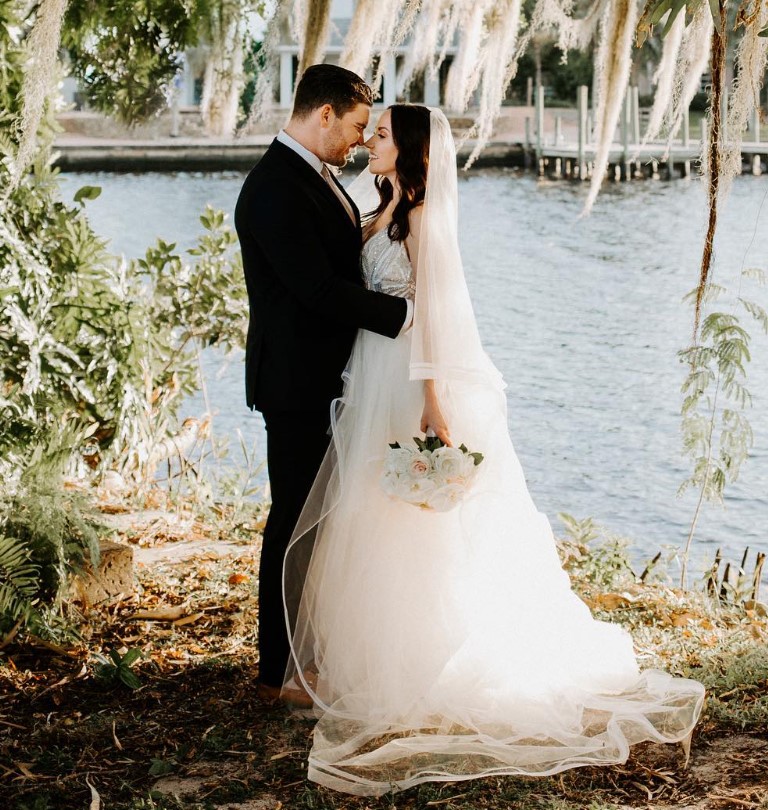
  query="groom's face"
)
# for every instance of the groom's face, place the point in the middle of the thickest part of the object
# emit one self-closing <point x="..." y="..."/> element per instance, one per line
<point x="341" y="134"/>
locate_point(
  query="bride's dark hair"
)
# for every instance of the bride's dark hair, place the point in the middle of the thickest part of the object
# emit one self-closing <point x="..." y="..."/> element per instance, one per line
<point x="410" y="132"/>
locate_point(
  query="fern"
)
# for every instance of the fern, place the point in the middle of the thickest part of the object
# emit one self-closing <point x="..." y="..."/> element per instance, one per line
<point x="46" y="535"/>
<point x="19" y="580"/>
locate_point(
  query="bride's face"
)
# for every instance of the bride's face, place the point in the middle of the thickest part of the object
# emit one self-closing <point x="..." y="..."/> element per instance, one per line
<point x="381" y="148"/>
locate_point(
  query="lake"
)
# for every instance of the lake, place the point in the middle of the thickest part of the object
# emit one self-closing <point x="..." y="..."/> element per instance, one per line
<point x="584" y="318"/>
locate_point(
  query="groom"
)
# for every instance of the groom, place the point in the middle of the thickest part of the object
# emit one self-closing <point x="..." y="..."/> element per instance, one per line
<point x="300" y="238"/>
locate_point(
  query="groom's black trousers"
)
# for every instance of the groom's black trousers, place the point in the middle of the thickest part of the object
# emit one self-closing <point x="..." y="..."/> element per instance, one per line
<point x="296" y="444"/>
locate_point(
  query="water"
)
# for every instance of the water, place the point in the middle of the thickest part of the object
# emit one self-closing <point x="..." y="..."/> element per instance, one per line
<point x="583" y="317"/>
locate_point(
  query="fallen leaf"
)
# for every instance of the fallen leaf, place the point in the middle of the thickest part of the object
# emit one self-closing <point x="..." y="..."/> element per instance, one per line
<point x="284" y="754"/>
<point x="118" y="744"/>
<point x="95" y="798"/>
<point x="193" y="617"/>
<point x="682" y="619"/>
<point x="612" y="601"/>
<point x="24" y="768"/>
<point x="237" y="579"/>
<point x="167" y="614"/>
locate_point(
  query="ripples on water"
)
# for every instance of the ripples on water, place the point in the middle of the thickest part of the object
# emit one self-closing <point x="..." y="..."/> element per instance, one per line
<point x="583" y="317"/>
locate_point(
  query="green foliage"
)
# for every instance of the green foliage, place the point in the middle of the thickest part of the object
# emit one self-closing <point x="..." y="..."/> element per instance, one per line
<point x="87" y="193"/>
<point x="95" y="352"/>
<point x="87" y="339"/>
<point x="432" y="443"/>
<point x="254" y="63"/>
<point x="561" y="73"/>
<point x="19" y="577"/>
<point x="655" y="11"/>
<point x="46" y="534"/>
<point x="161" y="767"/>
<point x="593" y="556"/>
<point x="126" y="54"/>
<point x="115" y="669"/>
<point x="716" y="434"/>
<point x="736" y="679"/>
<point x="204" y="300"/>
<point x="238" y="487"/>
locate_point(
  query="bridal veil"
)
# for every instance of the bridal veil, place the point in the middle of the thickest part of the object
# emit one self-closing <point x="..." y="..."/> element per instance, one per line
<point x="448" y="646"/>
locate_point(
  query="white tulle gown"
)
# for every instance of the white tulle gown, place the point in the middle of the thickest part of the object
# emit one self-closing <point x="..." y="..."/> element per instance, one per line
<point x="445" y="646"/>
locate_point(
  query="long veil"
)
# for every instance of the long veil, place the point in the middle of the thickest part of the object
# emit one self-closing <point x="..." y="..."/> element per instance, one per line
<point x="447" y="646"/>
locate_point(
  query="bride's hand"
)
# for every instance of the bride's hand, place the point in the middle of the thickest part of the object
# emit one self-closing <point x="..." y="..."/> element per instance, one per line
<point x="432" y="417"/>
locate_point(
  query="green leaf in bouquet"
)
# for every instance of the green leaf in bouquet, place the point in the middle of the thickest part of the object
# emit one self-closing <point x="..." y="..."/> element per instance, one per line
<point x="395" y="445"/>
<point x="478" y="457"/>
<point x="463" y="447"/>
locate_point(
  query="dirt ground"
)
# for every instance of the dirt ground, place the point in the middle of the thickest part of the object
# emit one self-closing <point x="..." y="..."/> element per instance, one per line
<point x="194" y="734"/>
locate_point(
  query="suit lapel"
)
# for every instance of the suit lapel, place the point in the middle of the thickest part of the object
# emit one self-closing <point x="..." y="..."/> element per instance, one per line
<point x="314" y="178"/>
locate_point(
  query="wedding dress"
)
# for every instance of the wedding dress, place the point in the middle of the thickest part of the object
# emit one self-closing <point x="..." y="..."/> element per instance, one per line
<point x="447" y="646"/>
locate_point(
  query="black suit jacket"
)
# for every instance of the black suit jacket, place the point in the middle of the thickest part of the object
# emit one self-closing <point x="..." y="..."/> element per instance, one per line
<point x="301" y="259"/>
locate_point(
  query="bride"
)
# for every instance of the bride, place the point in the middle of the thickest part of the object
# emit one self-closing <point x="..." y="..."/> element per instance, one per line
<point x="440" y="646"/>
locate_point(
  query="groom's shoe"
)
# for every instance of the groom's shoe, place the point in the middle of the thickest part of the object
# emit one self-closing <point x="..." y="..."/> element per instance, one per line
<point x="292" y="697"/>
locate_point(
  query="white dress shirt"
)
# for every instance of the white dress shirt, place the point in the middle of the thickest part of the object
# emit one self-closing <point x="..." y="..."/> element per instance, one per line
<point x="318" y="165"/>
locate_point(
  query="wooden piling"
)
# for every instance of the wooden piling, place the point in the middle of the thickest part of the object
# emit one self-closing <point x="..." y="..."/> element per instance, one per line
<point x="635" y="114"/>
<point x="539" y="121"/>
<point x="626" y="112"/>
<point x="583" y="109"/>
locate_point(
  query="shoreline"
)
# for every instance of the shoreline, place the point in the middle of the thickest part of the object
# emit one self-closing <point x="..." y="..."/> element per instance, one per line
<point x="73" y="154"/>
<point x="166" y="154"/>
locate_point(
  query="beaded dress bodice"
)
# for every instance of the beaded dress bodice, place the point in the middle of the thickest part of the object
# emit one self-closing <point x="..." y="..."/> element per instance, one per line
<point x="386" y="267"/>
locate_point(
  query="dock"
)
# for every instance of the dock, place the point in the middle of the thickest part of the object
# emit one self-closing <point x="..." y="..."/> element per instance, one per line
<point x="569" y="152"/>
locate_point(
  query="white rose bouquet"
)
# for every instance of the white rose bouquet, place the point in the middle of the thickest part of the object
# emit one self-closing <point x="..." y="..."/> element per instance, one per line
<point x="429" y="475"/>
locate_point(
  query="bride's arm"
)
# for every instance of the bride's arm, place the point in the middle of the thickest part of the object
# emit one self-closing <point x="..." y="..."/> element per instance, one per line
<point x="432" y="415"/>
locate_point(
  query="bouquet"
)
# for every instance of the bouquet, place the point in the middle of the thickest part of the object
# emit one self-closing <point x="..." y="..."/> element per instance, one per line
<point x="430" y="474"/>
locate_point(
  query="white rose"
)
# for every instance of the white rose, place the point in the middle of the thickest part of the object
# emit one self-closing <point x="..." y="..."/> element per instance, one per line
<point x="416" y="490"/>
<point x="446" y="497"/>
<point x="419" y="465"/>
<point x="398" y="459"/>
<point x="449" y="463"/>
<point x="390" y="483"/>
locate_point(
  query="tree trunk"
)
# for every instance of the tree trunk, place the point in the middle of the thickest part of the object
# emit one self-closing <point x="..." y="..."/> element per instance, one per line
<point x="223" y="78"/>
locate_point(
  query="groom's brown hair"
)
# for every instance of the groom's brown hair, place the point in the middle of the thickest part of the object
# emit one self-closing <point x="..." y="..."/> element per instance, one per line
<point x="330" y="84"/>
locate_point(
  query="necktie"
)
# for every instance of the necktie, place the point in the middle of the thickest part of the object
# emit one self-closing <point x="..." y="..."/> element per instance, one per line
<point x="326" y="174"/>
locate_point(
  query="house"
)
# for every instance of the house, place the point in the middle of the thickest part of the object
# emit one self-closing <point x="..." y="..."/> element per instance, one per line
<point x="425" y="89"/>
